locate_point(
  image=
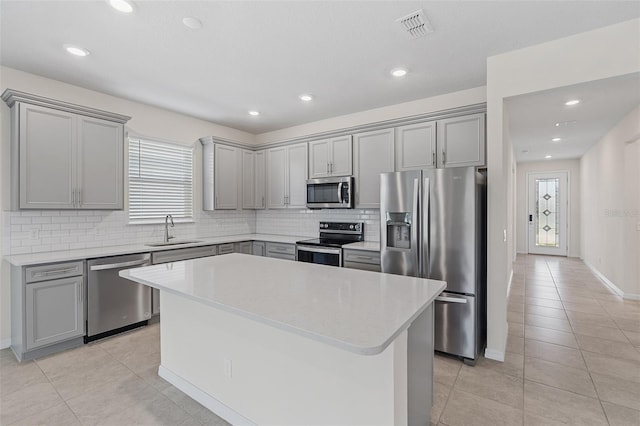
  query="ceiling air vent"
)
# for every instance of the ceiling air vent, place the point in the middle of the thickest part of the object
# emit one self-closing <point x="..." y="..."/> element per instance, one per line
<point x="415" y="24"/>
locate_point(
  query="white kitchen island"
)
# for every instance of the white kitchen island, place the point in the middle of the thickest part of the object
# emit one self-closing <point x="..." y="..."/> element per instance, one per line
<point x="268" y="341"/>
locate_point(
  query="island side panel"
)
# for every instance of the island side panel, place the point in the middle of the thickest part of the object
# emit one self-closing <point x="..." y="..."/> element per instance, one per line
<point x="277" y="377"/>
<point x="420" y="368"/>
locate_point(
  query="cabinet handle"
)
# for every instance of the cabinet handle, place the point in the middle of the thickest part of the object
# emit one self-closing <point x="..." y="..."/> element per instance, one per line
<point x="327" y="168"/>
<point x="263" y="201"/>
<point x="73" y="197"/>
<point x="433" y="158"/>
<point x="80" y="292"/>
<point x="216" y="204"/>
<point x="364" y="257"/>
<point x="79" y="197"/>
<point x="444" y="158"/>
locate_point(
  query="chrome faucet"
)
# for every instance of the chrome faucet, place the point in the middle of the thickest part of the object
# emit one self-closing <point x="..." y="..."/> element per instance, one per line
<point x="167" y="218"/>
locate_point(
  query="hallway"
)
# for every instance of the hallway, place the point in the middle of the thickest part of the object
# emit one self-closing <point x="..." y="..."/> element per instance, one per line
<point x="573" y="355"/>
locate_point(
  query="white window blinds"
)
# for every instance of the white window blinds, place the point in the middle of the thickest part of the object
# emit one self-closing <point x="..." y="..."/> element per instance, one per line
<point x="160" y="181"/>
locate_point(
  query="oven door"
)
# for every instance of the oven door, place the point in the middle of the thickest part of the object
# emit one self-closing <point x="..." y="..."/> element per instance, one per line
<point x="322" y="255"/>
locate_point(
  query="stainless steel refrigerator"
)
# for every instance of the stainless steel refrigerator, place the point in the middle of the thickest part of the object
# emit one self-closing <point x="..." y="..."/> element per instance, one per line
<point x="433" y="225"/>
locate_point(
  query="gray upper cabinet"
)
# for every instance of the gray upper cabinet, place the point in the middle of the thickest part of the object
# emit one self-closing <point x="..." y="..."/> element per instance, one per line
<point x="451" y="142"/>
<point x="253" y="179"/>
<point x="415" y="146"/>
<point x="330" y="157"/>
<point x="221" y="175"/>
<point x="461" y="141"/>
<point x="65" y="156"/>
<point x="287" y="176"/>
<point x="374" y="154"/>
<point x="100" y="171"/>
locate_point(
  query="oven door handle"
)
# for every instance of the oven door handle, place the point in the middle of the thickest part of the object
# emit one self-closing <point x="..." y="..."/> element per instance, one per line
<point x="319" y="249"/>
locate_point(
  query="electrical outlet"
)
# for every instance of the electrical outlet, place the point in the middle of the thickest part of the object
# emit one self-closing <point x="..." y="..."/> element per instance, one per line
<point x="33" y="234"/>
<point x="228" y="368"/>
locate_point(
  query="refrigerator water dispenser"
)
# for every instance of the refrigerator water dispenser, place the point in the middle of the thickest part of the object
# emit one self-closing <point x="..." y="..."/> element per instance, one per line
<point x="399" y="230"/>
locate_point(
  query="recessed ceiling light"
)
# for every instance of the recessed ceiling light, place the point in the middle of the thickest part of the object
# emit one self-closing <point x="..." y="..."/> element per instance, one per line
<point x="525" y="151"/>
<point x="254" y="113"/>
<point x="547" y="156"/>
<point x="76" y="50"/>
<point x="572" y="102"/>
<point x="306" y="97"/>
<point x="123" y="6"/>
<point x="556" y="140"/>
<point x="398" y="72"/>
<point x="565" y="123"/>
<point x="191" y="22"/>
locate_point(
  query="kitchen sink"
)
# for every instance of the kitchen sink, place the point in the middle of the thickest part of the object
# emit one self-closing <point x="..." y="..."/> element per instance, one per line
<point x="172" y="243"/>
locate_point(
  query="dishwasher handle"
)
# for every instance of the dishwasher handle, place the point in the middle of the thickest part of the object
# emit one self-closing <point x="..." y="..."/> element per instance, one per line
<point x="119" y="265"/>
<point x="450" y="299"/>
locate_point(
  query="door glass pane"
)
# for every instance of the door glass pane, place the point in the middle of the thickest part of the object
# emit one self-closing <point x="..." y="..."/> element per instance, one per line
<point x="547" y="205"/>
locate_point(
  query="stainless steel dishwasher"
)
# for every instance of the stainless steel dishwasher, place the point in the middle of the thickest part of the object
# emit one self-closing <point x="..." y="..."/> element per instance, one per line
<point x="115" y="304"/>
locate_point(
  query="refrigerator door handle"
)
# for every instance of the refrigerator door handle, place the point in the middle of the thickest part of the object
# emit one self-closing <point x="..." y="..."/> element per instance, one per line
<point x="426" y="229"/>
<point x="450" y="299"/>
<point x="415" y="232"/>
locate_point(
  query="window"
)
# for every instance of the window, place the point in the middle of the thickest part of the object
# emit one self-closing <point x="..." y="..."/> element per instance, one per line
<point x="160" y="181"/>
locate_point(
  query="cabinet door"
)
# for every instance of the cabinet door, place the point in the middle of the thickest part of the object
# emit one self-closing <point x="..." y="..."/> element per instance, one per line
<point x="319" y="159"/>
<point x="54" y="311"/>
<point x="297" y="176"/>
<point x="341" y="156"/>
<point x="258" y="248"/>
<point x="47" y="158"/>
<point x="245" y="247"/>
<point x="461" y="141"/>
<point x="416" y="146"/>
<point x="276" y="177"/>
<point x="226" y="177"/>
<point x="99" y="165"/>
<point x="248" y="179"/>
<point x="373" y="155"/>
<point x="260" y="183"/>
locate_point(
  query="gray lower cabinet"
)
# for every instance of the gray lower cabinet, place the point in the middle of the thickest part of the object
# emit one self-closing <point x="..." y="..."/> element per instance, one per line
<point x="54" y="311"/>
<point x="47" y="308"/>
<point x="281" y="250"/>
<point x="243" y="247"/>
<point x="361" y="259"/>
<point x="225" y="248"/>
<point x="259" y="248"/>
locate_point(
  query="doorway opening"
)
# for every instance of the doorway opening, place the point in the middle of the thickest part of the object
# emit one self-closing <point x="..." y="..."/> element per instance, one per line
<point x="547" y="207"/>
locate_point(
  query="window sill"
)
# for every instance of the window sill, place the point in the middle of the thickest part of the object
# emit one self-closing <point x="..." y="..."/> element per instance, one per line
<point x="159" y="221"/>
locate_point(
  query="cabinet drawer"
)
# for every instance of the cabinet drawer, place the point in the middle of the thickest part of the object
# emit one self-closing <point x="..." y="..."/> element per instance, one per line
<point x="53" y="271"/>
<point x="183" y="254"/>
<point x="360" y="256"/>
<point x="225" y="248"/>
<point x="363" y="266"/>
<point x="281" y="251"/>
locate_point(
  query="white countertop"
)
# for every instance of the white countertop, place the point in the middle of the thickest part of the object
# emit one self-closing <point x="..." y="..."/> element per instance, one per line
<point x="358" y="311"/>
<point x="69" y="255"/>
<point x="363" y="245"/>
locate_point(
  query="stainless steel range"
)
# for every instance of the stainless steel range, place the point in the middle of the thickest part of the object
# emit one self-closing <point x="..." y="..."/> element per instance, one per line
<point x="327" y="250"/>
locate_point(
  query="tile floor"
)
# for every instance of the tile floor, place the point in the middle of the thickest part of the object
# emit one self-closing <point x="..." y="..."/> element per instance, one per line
<point x="573" y="356"/>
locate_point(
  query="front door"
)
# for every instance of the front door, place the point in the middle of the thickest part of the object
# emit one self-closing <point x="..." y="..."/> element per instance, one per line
<point x="547" y="213"/>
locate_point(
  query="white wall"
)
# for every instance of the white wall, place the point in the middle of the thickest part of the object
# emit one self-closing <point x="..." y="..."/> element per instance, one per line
<point x="611" y="205"/>
<point x="522" y="226"/>
<point x="606" y="52"/>
<point x="473" y="96"/>
<point x="146" y="120"/>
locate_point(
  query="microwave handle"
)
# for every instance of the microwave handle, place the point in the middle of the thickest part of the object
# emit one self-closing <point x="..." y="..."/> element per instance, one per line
<point x="340" y="200"/>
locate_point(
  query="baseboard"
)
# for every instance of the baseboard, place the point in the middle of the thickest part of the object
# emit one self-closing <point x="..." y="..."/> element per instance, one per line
<point x="605" y="280"/>
<point x="494" y="355"/>
<point x="5" y="343"/>
<point x="631" y="296"/>
<point x="509" y="283"/>
<point x="204" y="398"/>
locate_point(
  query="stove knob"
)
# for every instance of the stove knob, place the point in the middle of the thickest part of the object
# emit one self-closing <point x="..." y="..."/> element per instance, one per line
<point x="351" y="227"/>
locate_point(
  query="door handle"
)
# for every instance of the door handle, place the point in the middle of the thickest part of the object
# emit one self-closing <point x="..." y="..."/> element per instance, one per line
<point x="530" y="218"/>
<point x="119" y="265"/>
<point x="451" y="299"/>
<point x="426" y="228"/>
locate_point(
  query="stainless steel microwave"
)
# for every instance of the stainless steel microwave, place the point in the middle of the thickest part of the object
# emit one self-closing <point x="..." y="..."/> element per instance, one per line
<point x="330" y="193"/>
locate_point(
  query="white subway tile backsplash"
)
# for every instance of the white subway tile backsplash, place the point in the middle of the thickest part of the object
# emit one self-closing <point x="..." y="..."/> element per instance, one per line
<point x="69" y="229"/>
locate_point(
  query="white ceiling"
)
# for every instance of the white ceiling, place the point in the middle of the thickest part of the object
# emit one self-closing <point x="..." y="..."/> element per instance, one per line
<point x="262" y="55"/>
<point x="603" y="103"/>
